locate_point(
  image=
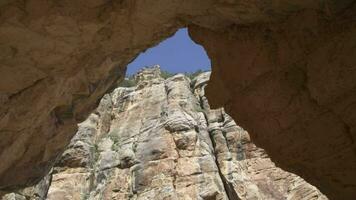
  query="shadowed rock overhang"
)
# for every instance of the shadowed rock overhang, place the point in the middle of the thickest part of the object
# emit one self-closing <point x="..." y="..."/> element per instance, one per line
<point x="284" y="70"/>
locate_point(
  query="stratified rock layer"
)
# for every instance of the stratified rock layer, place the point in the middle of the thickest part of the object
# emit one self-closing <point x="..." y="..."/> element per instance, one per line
<point x="161" y="140"/>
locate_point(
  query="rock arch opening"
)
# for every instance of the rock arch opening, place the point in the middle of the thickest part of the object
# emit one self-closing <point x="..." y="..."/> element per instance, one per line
<point x="176" y="54"/>
<point x="288" y="66"/>
<point x="155" y="136"/>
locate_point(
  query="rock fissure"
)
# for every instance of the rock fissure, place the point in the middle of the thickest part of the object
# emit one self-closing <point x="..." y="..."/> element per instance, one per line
<point x="228" y="187"/>
<point x="13" y="95"/>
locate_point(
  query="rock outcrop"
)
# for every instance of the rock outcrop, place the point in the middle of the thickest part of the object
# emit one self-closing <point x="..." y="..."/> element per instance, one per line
<point x="161" y="140"/>
<point x="283" y="69"/>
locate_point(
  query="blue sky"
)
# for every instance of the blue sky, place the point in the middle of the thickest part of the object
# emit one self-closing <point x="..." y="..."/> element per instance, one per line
<point x="175" y="54"/>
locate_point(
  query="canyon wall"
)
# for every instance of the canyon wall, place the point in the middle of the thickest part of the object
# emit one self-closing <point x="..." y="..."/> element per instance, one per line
<point x="285" y="69"/>
<point x="160" y="140"/>
<point x="294" y="83"/>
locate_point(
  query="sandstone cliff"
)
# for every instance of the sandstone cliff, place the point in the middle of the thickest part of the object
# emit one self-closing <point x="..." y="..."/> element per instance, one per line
<point x="161" y="140"/>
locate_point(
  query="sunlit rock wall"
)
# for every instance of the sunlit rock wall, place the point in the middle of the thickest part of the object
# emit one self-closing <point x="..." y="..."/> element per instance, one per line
<point x="161" y="140"/>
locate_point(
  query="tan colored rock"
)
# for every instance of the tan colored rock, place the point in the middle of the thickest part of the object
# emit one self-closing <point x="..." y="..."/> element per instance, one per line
<point x="161" y="146"/>
<point x="282" y="66"/>
<point x="69" y="185"/>
<point x="291" y="83"/>
<point x="246" y="167"/>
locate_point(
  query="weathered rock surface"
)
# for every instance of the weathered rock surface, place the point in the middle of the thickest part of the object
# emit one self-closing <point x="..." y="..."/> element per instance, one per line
<point x="292" y="85"/>
<point x="161" y="140"/>
<point x="280" y="67"/>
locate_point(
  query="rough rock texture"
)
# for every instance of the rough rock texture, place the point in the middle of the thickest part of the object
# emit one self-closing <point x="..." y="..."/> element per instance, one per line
<point x="282" y="67"/>
<point x="161" y="140"/>
<point x="292" y="85"/>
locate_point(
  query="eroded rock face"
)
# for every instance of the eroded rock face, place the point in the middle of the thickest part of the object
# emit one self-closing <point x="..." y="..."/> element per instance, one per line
<point x="57" y="60"/>
<point x="292" y="85"/>
<point x="161" y="140"/>
<point x="59" y="57"/>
